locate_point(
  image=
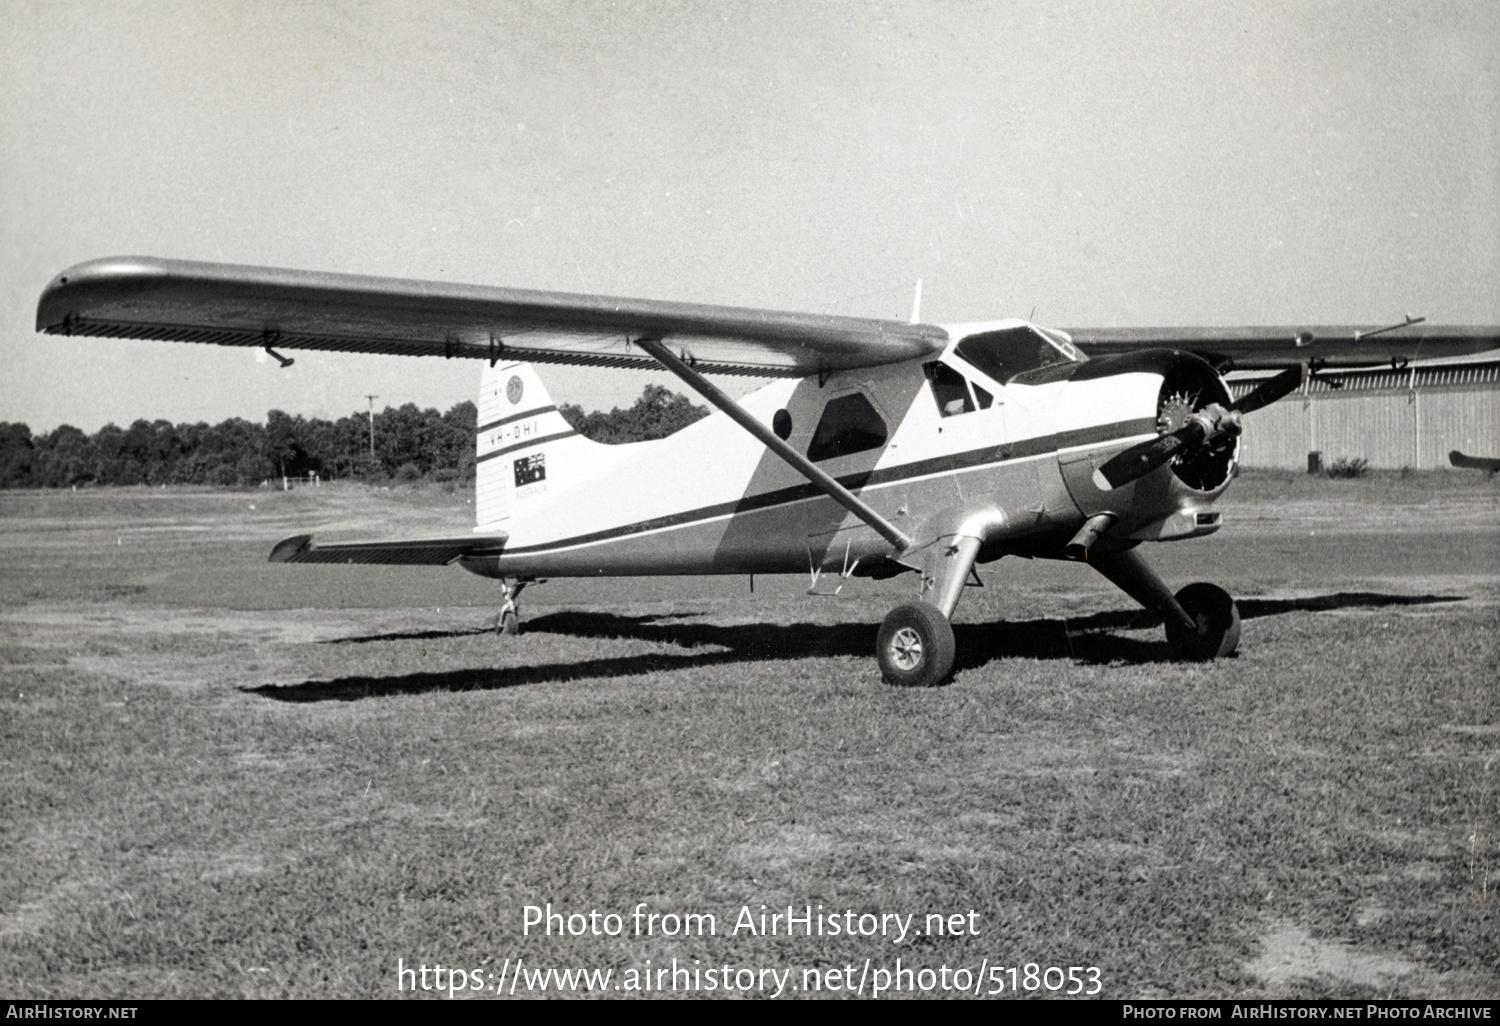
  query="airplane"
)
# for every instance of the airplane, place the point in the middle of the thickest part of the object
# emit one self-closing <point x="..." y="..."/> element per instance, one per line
<point x="878" y="448"/>
<point x="1489" y="464"/>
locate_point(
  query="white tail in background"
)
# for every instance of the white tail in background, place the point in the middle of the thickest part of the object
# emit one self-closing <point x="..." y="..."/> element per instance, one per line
<point x="526" y="452"/>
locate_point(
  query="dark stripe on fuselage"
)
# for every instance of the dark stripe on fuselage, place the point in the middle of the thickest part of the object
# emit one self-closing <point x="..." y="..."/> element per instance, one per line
<point x="516" y="416"/>
<point x="996" y="454"/>
<point x="526" y="444"/>
<point x="1010" y="451"/>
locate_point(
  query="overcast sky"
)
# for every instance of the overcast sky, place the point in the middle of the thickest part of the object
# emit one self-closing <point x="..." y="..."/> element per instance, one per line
<point x="1098" y="163"/>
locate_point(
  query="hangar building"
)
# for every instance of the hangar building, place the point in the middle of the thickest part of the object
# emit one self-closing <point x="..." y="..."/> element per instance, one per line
<point x="1391" y="418"/>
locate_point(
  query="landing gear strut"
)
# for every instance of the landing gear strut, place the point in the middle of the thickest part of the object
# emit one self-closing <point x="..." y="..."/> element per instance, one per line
<point x="1218" y="624"/>
<point x="508" y="622"/>
<point x="1202" y="621"/>
<point x="915" y="645"/>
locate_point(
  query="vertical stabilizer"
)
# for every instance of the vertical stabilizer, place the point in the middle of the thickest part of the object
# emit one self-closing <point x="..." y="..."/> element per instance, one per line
<point x="525" y="450"/>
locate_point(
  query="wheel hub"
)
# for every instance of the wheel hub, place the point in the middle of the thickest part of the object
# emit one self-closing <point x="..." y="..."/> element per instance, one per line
<point x="906" y="648"/>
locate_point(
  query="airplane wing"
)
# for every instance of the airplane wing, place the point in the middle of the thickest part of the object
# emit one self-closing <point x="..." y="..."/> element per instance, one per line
<point x="421" y="552"/>
<point x="1274" y="348"/>
<point x="230" y="305"/>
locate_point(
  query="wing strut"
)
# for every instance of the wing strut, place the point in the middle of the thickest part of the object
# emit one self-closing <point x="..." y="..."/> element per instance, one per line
<point x="835" y="491"/>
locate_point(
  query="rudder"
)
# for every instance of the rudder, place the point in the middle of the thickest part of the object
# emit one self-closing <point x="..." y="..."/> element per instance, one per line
<point x="524" y="448"/>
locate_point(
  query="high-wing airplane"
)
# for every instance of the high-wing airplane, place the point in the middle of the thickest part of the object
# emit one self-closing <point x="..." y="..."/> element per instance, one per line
<point x="879" y="448"/>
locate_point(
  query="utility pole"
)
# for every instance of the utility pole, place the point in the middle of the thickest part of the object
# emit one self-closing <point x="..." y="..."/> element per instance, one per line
<point x="372" y="399"/>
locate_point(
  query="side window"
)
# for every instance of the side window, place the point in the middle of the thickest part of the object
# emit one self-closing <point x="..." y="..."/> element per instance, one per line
<point x="849" y="424"/>
<point x="985" y="399"/>
<point x="781" y="423"/>
<point x="949" y="389"/>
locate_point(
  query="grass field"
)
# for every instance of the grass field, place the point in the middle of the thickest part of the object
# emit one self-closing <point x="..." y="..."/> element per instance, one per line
<point x="222" y="777"/>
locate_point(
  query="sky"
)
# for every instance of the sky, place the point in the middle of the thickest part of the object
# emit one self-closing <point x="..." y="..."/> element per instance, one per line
<point x="1085" y="164"/>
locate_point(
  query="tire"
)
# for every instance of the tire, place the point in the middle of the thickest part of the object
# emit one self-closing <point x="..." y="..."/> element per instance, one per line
<point x="915" y="646"/>
<point x="1218" y="619"/>
<point x="508" y="624"/>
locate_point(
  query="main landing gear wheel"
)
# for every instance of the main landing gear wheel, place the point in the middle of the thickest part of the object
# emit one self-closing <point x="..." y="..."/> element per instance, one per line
<point x="508" y="623"/>
<point x="1218" y="619"/>
<point x="915" y="646"/>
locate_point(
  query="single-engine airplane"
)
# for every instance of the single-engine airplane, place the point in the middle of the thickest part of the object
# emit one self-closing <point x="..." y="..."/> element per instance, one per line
<point x="879" y="447"/>
<point x="1489" y="464"/>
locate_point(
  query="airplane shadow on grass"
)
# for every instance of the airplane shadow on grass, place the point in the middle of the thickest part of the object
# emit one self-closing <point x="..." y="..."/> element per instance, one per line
<point x="1086" y="639"/>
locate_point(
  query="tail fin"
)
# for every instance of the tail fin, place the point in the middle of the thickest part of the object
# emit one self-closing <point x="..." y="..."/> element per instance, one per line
<point x="525" y="449"/>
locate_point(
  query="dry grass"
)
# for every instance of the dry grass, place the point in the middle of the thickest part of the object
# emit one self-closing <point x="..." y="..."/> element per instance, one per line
<point x="221" y="778"/>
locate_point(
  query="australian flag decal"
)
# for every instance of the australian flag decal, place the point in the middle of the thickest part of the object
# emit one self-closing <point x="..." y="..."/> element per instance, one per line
<point x="531" y="469"/>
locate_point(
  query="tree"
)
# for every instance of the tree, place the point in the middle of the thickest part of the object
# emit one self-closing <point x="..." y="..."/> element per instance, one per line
<point x="17" y="455"/>
<point x="403" y="435"/>
<point x="284" y="445"/>
<point x="409" y="441"/>
<point x="658" y="413"/>
<point x="460" y="424"/>
<point x="65" y="457"/>
<point x="107" y="468"/>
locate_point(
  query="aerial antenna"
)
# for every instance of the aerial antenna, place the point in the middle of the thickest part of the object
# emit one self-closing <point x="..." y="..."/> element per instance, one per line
<point x="916" y="304"/>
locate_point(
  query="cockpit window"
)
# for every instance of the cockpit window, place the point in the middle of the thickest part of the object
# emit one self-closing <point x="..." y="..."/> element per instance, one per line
<point x="949" y="389"/>
<point x="1004" y="354"/>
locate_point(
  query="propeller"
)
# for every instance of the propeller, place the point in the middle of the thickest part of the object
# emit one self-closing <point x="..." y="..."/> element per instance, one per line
<point x="1210" y="422"/>
<point x="1282" y="385"/>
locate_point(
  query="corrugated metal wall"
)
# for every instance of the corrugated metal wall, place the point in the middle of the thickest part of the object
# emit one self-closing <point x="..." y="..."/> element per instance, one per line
<point x="1411" y="417"/>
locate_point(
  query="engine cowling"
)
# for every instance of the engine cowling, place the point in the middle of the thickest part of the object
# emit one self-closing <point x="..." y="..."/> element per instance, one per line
<point x="1134" y="394"/>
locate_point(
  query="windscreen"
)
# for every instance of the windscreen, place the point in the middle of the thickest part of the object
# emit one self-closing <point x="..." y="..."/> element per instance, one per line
<point x="1004" y="354"/>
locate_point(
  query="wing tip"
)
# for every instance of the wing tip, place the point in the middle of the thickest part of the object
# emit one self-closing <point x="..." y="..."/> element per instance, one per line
<point x="54" y="308"/>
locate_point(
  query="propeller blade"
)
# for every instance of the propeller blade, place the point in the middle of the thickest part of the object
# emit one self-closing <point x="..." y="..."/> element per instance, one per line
<point x="1283" y="384"/>
<point x="1140" y="460"/>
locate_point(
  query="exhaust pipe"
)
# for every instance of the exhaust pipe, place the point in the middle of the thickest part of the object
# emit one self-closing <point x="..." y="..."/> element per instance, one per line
<point x="1088" y="534"/>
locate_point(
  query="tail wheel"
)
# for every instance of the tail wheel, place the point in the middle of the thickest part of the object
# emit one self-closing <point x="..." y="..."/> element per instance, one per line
<point x="508" y="623"/>
<point x="915" y="646"/>
<point x="1218" y="619"/>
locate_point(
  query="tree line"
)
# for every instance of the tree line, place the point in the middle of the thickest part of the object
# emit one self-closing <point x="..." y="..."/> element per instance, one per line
<point x="410" y="444"/>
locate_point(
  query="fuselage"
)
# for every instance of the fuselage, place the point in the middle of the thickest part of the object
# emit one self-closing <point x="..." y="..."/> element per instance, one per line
<point x="1004" y="430"/>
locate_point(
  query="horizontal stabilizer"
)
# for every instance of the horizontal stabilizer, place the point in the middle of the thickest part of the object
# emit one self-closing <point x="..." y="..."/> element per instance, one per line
<point x="410" y="552"/>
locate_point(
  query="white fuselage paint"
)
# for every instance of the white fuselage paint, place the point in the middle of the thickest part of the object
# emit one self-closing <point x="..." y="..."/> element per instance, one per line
<point x="712" y="499"/>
